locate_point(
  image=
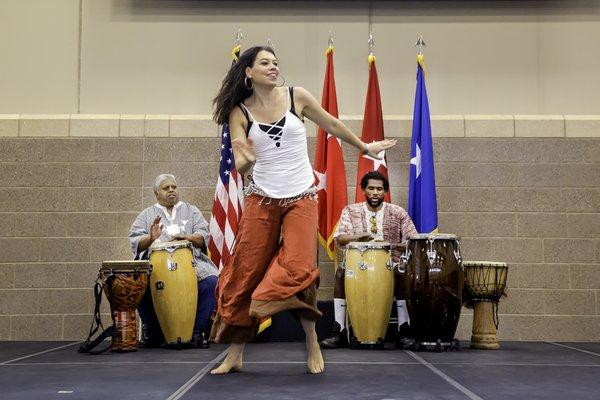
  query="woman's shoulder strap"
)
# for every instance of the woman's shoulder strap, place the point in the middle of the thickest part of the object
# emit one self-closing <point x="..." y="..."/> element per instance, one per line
<point x="247" y="115"/>
<point x="292" y="105"/>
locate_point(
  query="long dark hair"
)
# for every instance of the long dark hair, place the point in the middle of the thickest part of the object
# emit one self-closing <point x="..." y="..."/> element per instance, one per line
<point x="233" y="89"/>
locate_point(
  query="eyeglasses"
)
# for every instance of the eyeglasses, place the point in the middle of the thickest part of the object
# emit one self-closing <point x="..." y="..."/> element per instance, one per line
<point x="373" y="221"/>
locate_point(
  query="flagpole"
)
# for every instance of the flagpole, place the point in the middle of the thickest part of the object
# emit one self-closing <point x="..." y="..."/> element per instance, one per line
<point x="420" y="44"/>
<point x="420" y="57"/>
<point x="372" y="129"/>
<point x="371" y="43"/>
<point x="422" y="198"/>
<point x="228" y="202"/>
<point x="235" y="51"/>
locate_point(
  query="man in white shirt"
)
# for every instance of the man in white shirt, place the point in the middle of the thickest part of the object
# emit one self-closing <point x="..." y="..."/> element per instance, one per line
<point x="167" y="220"/>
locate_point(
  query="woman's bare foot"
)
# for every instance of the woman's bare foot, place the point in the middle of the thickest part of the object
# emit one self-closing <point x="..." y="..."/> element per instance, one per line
<point x="314" y="358"/>
<point x="233" y="361"/>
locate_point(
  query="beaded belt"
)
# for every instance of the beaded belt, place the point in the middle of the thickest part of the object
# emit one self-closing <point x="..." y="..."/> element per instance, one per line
<point x="252" y="188"/>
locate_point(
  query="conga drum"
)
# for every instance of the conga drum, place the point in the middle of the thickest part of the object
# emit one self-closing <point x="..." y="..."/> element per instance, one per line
<point x="124" y="284"/>
<point x="432" y="279"/>
<point x="369" y="286"/>
<point x="174" y="289"/>
<point x="485" y="283"/>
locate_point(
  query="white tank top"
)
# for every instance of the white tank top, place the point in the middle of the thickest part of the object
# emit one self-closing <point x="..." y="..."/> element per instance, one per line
<point x="282" y="167"/>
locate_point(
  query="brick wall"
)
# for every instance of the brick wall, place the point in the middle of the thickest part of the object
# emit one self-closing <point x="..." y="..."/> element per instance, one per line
<point x="520" y="189"/>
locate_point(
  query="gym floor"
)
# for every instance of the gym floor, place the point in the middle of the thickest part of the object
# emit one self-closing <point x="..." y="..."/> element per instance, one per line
<point x="519" y="370"/>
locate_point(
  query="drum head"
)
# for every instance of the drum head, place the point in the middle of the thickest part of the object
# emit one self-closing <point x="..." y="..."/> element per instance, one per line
<point x="494" y="264"/>
<point x="363" y="246"/>
<point x="171" y="246"/>
<point x="434" y="236"/>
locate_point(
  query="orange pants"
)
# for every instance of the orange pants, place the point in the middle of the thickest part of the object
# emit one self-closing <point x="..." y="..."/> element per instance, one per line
<point x="272" y="268"/>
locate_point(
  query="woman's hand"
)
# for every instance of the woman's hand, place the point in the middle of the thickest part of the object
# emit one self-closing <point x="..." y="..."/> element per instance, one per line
<point x="245" y="148"/>
<point x="375" y="148"/>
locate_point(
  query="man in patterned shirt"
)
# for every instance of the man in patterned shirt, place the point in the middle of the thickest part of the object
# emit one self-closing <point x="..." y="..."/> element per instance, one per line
<point x="370" y="220"/>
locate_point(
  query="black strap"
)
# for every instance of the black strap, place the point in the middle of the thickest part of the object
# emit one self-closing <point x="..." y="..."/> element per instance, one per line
<point x="89" y="344"/>
<point x="247" y="118"/>
<point x="292" y="105"/>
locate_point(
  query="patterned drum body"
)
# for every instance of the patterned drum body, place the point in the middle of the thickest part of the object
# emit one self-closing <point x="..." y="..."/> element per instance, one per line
<point x="433" y="285"/>
<point x="369" y="285"/>
<point x="174" y="288"/>
<point x="125" y="284"/>
<point x="485" y="283"/>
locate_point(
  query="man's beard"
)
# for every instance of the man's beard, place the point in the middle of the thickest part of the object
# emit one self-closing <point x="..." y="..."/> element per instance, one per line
<point x="374" y="202"/>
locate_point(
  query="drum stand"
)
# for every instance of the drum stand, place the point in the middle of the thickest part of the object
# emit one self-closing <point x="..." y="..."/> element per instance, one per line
<point x="438" y="345"/>
<point x="485" y="326"/>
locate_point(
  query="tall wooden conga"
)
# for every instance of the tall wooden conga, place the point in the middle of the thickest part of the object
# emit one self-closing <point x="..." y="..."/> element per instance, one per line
<point x="369" y="285"/>
<point x="174" y="289"/>
<point x="433" y="283"/>
<point x="124" y="284"/>
<point x="485" y="283"/>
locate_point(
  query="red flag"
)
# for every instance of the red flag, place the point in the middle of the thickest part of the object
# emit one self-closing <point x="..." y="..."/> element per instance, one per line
<point x="372" y="131"/>
<point x="329" y="167"/>
<point x="229" y="199"/>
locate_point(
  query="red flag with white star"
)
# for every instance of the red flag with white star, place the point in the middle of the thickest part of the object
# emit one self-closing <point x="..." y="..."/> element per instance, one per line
<point x="329" y="167"/>
<point x="372" y="131"/>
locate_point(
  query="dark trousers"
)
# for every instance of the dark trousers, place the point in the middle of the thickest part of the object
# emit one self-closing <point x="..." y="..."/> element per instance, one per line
<point x="206" y="305"/>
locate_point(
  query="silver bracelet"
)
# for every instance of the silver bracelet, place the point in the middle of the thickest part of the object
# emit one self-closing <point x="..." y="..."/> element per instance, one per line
<point x="365" y="151"/>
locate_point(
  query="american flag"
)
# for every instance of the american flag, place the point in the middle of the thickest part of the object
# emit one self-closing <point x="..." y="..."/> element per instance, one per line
<point x="228" y="204"/>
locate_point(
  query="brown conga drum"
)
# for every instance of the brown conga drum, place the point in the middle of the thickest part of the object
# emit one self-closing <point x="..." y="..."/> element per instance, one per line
<point x="432" y="279"/>
<point x="124" y="285"/>
<point x="485" y="283"/>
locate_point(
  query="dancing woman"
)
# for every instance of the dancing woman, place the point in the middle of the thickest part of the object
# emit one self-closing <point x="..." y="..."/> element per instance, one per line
<point x="273" y="264"/>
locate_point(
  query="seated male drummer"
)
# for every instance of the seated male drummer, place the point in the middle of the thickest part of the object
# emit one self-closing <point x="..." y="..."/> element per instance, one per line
<point x="370" y="220"/>
<point x="167" y="220"/>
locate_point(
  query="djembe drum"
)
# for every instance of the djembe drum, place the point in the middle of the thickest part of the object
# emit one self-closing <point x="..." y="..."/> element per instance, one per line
<point x="485" y="283"/>
<point x="124" y="283"/>
<point x="432" y="279"/>
<point x="174" y="289"/>
<point x="369" y="286"/>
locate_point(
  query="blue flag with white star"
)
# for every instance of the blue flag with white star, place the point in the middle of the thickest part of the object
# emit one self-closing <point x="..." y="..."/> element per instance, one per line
<point x="422" y="203"/>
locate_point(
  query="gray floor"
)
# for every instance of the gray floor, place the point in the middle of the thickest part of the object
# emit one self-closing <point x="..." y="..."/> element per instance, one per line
<point x="519" y="370"/>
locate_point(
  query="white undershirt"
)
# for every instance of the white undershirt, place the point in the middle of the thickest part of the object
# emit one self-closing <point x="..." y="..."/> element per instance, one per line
<point x="378" y="217"/>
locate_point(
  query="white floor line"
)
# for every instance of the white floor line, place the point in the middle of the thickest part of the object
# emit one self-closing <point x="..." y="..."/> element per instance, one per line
<point x="470" y="364"/>
<point x="194" y="379"/>
<point x="445" y="377"/>
<point x="575" y="348"/>
<point x="41" y="352"/>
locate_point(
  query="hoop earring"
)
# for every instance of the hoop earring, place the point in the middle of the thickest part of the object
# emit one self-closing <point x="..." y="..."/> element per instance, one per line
<point x="250" y="86"/>
<point x="282" y="83"/>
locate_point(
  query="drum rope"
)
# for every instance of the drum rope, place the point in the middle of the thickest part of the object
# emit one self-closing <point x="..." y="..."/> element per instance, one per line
<point x="495" y="308"/>
<point x="89" y="345"/>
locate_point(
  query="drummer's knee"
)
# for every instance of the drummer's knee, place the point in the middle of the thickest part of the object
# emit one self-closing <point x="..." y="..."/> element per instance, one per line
<point x="208" y="285"/>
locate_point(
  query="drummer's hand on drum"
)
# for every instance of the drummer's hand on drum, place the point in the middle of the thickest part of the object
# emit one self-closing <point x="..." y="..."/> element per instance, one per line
<point x="155" y="229"/>
<point x="364" y="238"/>
<point x="179" y="236"/>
